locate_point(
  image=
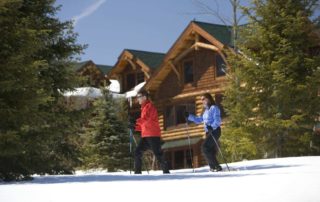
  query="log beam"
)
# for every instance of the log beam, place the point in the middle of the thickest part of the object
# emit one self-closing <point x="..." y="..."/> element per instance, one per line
<point x="131" y="63"/>
<point x="206" y="46"/>
<point x="183" y="54"/>
<point x="196" y="39"/>
<point x="144" y="68"/>
<point x="175" y="70"/>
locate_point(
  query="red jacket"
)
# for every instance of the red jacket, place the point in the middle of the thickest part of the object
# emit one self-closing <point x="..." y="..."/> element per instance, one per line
<point x="148" y="122"/>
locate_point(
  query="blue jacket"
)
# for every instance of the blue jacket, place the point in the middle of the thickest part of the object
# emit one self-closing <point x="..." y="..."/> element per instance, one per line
<point x="210" y="117"/>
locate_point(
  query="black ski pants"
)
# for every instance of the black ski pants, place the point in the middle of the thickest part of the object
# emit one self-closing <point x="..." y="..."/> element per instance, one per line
<point x="210" y="147"/>
<point x="154" y="144"/>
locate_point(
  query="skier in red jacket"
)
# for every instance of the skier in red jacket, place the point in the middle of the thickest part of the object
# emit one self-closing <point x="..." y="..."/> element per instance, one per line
<point x="148" y="125"/>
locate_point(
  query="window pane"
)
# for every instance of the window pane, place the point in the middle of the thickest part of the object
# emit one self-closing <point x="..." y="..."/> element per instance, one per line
<point x="180" y="110"/>
<point x="191" y="108"/>
<point x="130" y="81"/>
<point x="189" y="154"/>
<point x="169" y="118"/>
<point x="175" y="114"/>
<point x="220" y="66"/>
<point x="188" y="72"/>
<point x="179" y="159"/>
<point x="140" y="77"/>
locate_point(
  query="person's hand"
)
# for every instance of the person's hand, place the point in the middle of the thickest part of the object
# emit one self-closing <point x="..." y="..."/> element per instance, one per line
<point x="209" y="128"/>
<point x="186" y="115"/>
<point x="131" y="125"/>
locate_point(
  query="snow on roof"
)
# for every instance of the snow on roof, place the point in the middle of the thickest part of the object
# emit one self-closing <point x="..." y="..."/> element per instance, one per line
<point x="89" y="92"/>
<point x="135" y="90"/>
<point x="114" y="87"/>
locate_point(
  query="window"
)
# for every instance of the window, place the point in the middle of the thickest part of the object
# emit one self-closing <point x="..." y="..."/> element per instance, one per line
<point x="179" y="159"/>
<point x="131" y="81"/>
<point x="174" y="115"/>
<point x="220" y="66"/>
<point x="182" y="159"/>
<point x="188" y="71"/>
<point x="189" y="157"/>
<point x="134" y="79"/>
<point x="140" y="77"/>
<point x="180" y="111"/>
<point x="170" y="116"/>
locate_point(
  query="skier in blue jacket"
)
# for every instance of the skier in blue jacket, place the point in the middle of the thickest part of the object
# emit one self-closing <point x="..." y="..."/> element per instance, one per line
<point x="212" y="121"/>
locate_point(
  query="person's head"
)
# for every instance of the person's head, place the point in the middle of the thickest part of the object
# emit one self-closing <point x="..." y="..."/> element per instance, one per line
<point x="142" y="97"/>
<point x="207" y="100"/>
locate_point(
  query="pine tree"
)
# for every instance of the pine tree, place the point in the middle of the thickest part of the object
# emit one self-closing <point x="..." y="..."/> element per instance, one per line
<point x="107" y="137"/>
<point x="275" y="78"/>
<point x="37" y="135"/>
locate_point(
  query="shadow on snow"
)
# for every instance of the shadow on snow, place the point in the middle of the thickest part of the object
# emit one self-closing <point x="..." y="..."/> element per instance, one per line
<point x="200" y="173"/>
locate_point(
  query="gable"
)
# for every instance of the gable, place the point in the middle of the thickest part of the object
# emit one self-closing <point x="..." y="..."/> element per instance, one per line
<point x="104" y="68"/>
<point x="222" y="33"/>
<point x="196" y="35"/>
<point x="151" y="59"/>
<point x="147" y="61"/>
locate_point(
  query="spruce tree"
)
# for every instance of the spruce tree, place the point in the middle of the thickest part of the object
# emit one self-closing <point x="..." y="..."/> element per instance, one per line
<point x="37" y="133"/>
<point x="274" y="79"/>
<point x="107" y="137"/>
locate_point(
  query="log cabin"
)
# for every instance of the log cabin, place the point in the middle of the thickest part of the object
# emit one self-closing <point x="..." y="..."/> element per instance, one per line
<point x="95" y="74"/>
<point x="134" y="67"/>
<point x="194" y="65"/>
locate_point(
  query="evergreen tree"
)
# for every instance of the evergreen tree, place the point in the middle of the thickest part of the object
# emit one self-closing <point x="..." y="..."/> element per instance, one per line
<point x="274" y="80"/>
<point x="37" y="134"/>
<point x="107" y="137"/>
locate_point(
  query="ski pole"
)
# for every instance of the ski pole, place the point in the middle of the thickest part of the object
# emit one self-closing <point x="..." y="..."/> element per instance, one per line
<point x="190" y="153"/>
<point x="214" y="139"/>
<point x="131" y="137"/>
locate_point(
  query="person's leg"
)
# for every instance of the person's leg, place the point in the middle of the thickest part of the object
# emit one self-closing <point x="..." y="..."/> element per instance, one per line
<point x="216" y="134"/>
<point x="155" y="145"/>
<point x="141" y="147"/>
<point x="207" y="150"/>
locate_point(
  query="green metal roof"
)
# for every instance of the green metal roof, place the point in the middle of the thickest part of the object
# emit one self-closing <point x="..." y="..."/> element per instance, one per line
<point x="180" y="143"/>
<point x="104" y="68"/>
<point x="221" y="32"/>
<point x="152" y="59"/>
<point x="78" y="65"/>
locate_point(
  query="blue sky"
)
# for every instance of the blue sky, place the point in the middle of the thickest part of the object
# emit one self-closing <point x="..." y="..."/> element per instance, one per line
<point x="109" y="26"/>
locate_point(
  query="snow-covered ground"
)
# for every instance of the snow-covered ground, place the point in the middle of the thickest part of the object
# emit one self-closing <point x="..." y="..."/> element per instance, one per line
<point x="284" y="179"/>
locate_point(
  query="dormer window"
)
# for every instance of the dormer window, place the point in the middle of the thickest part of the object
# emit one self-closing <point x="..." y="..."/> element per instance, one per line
<point x="133" y="79"/>
<point x="188" y="71"/>
<point x="140" y="77"/>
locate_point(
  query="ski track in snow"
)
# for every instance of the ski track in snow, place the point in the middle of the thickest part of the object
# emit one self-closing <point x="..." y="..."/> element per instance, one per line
<point x="295" y="179"/>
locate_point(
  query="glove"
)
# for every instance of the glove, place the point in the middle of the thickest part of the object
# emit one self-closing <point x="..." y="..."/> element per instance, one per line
<point x="131" y="125"/>
<point x="209" y="128"/>
<point x="186" y="115"/>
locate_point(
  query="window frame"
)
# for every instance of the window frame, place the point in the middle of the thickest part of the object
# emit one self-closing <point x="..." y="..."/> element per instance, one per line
<point x="188" y="104"/>
<point x="187" y="60"/>
<point x="135" y="77"/>
<point x="134" y="80"/>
